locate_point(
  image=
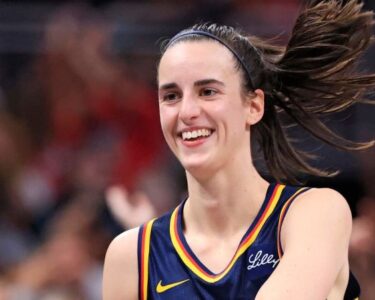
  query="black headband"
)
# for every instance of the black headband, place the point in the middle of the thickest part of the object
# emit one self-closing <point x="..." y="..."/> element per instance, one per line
<point x="214" y="37"/>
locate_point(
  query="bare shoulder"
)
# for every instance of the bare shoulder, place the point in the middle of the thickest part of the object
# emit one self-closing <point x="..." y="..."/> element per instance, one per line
<point x="325" y="197"/>
<point x="321" y="203"/>
<point x="322" y="212"/>
<point x="319" y="209"/>
<point x="120" y="277"/>
<point x="315" y="239"/>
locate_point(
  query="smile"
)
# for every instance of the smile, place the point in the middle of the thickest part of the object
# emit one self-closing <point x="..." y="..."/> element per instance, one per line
<point x="190" y="135"/>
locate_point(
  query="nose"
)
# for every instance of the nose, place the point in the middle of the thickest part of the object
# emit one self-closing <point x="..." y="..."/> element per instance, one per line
<point x="190" y="109"/>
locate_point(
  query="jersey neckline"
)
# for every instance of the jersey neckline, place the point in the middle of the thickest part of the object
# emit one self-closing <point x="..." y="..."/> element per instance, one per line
<point x="192" y="261"/>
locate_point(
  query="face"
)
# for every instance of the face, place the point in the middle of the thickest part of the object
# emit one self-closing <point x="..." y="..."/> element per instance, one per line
<point x="204" y="116"/>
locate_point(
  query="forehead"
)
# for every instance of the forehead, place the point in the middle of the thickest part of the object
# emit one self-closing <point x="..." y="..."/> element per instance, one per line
<point x="196" y="60"/>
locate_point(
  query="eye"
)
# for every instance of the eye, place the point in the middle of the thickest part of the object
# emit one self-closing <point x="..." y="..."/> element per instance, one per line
<point x="171" y="96"/>
<point x="208" y="92"/>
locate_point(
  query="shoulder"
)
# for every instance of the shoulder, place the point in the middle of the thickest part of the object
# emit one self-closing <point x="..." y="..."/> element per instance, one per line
<point x="320" y="204"/>
<point x="120" y="277"/>
<point x="124" y="246"/>
<point x="318" y="209"/>
<point x="321" y="213"/>
<point x="315" y="239"/>
<point x="322" y="199"/>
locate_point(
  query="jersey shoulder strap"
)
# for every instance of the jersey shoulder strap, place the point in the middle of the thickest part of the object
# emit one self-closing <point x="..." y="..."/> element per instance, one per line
<point x="144" y="237"/>
<point x="293" y="193"/>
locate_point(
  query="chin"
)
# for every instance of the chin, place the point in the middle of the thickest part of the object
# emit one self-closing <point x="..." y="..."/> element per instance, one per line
<point x="198" y="168"/>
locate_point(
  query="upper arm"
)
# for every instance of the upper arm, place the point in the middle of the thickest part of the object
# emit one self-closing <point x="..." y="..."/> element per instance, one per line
<point x="315" y="238"/>
<point x="120" y="277"/>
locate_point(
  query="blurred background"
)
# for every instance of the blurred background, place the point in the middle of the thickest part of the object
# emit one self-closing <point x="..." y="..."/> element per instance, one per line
<point x="82" y="156"/>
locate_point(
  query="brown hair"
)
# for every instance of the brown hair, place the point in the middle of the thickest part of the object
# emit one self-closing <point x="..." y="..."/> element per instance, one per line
<point x="313" y="76"/>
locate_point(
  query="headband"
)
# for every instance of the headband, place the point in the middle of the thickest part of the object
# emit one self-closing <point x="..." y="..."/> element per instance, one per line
<point x="214" y="37"/>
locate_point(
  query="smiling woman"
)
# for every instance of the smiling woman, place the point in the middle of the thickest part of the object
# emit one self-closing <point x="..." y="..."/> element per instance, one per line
<point x="204" y="94"/>
<point x="237" y="236"/>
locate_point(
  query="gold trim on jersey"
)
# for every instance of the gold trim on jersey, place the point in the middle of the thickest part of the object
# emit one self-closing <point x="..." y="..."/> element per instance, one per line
<point x="245" y="244"/>
<point x="145" y="251"/>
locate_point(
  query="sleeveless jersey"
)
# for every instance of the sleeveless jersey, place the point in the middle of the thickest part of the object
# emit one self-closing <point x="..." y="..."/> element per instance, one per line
<point x="168" y="268"/>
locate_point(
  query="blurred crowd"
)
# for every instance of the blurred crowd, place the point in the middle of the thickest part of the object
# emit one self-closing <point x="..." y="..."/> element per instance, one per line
<point x="80" y="153"/>
<point x="82" y="157"/>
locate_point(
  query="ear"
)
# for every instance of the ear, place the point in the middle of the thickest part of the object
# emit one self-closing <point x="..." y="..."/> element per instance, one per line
<point x="255" y="107"/>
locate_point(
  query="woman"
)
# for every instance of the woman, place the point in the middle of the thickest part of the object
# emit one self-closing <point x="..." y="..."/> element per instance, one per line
<point x="237" y="236"/>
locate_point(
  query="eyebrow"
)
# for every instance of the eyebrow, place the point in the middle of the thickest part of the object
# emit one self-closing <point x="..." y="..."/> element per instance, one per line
<point x="208" y="81"/>
<point x="202" y="82"/>
<point x="168" y="86"/>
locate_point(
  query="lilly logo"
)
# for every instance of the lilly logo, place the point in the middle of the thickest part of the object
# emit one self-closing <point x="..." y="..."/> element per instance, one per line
<point x="260" y="259"/>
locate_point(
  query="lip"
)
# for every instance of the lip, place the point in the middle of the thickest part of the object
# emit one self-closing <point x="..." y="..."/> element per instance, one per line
<point x="194" y="143"/>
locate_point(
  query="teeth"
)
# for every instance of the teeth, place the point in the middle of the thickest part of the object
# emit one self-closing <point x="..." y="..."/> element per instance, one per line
<point x="187" y="135"/>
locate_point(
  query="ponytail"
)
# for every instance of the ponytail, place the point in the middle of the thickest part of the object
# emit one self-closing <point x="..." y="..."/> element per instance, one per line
<point x="314" y="76"/>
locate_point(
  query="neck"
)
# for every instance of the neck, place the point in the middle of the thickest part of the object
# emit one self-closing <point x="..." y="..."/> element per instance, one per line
<point x="226" y="202"/>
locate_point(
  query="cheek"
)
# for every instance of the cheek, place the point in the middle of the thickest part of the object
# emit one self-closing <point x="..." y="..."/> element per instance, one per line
<point x="235" y="122"/>
<point x="233" y="115"/>
<point x="167" y="121"/>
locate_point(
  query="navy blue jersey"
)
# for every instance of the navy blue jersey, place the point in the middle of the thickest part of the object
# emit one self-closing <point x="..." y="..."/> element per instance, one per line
<point x="168" y="268"/>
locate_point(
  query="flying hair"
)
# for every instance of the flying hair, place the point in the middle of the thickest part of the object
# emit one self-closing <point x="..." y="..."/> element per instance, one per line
<point x="314" y="75"/>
